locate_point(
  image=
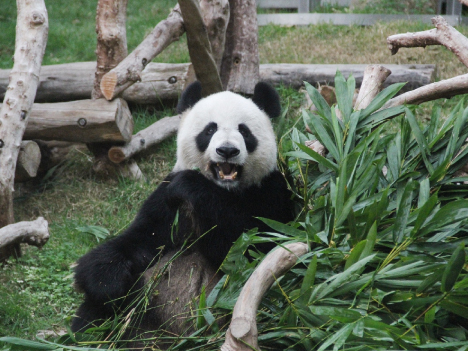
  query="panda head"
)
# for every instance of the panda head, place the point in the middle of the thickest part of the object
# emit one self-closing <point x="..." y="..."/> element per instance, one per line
<point x="227" y="137"/>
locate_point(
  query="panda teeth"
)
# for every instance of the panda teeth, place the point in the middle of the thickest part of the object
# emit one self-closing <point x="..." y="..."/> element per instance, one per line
<point x="221" y="174"/>
<point x="234" y="175"/>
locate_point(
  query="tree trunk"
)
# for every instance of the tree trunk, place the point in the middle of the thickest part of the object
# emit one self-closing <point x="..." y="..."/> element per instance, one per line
<point x="31" y="38"/>
<point x="111" y="50"/>
<point x="111" y="39"/>
<point x="240" y="66"/>
<point x="200" y="48"/>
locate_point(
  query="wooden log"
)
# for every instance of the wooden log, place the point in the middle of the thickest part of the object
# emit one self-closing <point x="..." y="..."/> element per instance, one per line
<point x="240" y="65"/>
<point x="34" y="233"/>
<point x="31" y="38"/>
<point x="200" y="48"/>
<point x="163" y="82"/>
<point x="29" y="159"/>
<point x="81" y="121"/>
<point x="294" y="75"/>
<point x="111" y="48"/>
<point x="129" y="70"/>
<point x="242" y="334"/>
<point x="146" y="138"/>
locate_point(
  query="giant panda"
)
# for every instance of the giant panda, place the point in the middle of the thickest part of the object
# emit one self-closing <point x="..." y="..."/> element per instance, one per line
<point x="224" y="177"/>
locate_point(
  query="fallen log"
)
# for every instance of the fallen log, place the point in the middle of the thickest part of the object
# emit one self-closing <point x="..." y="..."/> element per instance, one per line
<point x="144" y="139"/>
<point x="29" y="159"/>
<point x="163" y="82"/>
<point x="82" y="121"/>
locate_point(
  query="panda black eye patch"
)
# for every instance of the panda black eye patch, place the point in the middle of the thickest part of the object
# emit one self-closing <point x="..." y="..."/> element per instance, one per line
<point x="203" y="139"/>
<point x="250" y="140"/>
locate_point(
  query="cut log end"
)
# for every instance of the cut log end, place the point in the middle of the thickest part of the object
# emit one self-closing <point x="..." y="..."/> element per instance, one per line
<point x="108" y="84"/>
<point x="116" y="154"/>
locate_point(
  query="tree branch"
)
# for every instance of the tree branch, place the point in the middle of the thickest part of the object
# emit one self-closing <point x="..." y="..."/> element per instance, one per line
<point x="243" y="329"/>
<point x="145" y="138"/>
<point x="443" y="34"/>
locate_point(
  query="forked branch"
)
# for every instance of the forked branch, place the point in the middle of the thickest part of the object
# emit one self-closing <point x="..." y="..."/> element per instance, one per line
<point x="443" y="34"/>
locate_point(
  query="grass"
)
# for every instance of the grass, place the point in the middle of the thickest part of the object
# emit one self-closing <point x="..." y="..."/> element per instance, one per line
<point x="36" y="291"/>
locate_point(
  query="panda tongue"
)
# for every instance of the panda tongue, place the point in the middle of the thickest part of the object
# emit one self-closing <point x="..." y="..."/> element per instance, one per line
<point x="226" y="168"/>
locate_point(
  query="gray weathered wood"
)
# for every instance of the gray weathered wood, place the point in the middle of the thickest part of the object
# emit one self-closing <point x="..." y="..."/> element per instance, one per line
<point x="145" y="138"/>
<point x="240" y="65"/>
<point x="199" y="47"/>
<point x="346" y="19"/>
<point x="294" y="74"/>
<point x="81" y="121"/>
<point x="162" y="82"/>
<point x="29" y="159"/>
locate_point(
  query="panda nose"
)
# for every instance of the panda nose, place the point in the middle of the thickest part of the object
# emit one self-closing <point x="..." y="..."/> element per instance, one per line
<point x="227" y="152"/>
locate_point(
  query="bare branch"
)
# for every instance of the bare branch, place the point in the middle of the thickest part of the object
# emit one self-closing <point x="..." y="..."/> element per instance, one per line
<point x="146" y="138"/>
<point x="242" y="333"/>
<point x="444" y="89"/>
<point x="444" y="34"/>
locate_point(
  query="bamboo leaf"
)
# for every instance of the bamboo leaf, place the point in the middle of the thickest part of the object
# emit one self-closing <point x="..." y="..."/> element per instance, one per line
<point x="403" y="213"/>
<point x="321" y="133"/>
<point x="453" y="268"/>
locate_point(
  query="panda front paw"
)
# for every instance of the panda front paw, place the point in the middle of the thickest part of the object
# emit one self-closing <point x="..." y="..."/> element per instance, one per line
<point x="185" y="187"/>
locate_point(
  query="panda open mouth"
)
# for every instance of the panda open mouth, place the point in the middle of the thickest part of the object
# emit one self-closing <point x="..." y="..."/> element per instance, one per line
<point x="225" y="171"/>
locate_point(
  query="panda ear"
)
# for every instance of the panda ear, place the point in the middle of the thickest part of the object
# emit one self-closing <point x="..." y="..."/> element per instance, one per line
<point x="190" y="96"/>
<point x="267" y="99"/>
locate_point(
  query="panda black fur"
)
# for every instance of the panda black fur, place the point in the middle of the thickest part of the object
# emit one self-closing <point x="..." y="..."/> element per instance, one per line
<point x="224" y="177"/>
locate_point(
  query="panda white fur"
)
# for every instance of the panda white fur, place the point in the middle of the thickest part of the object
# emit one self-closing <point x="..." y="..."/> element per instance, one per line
<point x="224" y="177"/>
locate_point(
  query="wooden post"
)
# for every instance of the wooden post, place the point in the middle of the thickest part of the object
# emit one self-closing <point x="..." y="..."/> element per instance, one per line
<point x="111" y="50"/>
<point x="111" y="39"/>
<point x="240" y="67"/>
<point x="31" y="38"/>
